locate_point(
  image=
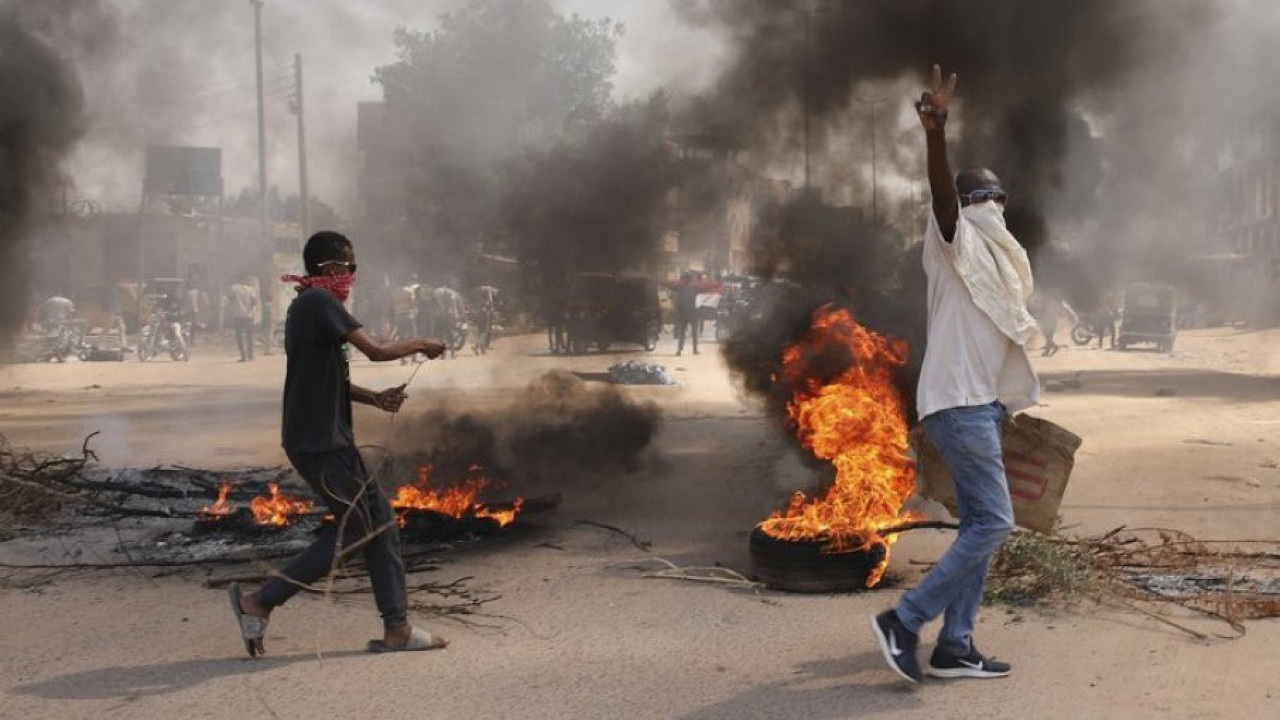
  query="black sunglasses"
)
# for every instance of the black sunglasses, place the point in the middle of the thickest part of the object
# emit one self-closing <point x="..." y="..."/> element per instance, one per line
<point x="350" y="266"/>
<point x="978" y="196"/>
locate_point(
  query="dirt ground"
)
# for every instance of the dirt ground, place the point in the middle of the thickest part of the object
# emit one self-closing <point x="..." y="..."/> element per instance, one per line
<point x="578" y="630"/>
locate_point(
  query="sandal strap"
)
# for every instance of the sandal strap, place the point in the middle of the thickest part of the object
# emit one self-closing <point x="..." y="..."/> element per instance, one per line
<point x="252" y="627"/>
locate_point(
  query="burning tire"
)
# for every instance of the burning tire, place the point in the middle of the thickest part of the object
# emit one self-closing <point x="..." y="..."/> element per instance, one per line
<point x="802" y="566"/>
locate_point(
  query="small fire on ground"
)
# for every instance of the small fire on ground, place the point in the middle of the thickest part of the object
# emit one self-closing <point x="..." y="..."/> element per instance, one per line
<point x="458" y="501"/>
<point x="274" y="509"/>
<point x="855" y="421"/>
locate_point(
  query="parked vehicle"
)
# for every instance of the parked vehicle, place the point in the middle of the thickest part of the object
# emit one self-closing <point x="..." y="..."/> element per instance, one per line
<point x="743" y="303"/>
<point x="605" y="308"/>
<point x="1090" y="325"/>
<point x="62" y="341"/>
<point x="1149" y="315"/>
<point x="164" y="334"/>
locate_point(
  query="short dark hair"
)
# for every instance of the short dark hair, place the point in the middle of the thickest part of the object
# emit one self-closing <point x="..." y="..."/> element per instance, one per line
<point x="977" y="178"/>
<point x="322" y="247"/>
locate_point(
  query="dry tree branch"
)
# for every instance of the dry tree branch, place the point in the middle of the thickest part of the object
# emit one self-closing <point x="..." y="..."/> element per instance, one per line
<point x="641" y="544"/>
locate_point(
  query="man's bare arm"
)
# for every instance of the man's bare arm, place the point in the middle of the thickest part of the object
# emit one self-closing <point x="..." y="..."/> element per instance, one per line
<point x="932" y="108"/>
<point x="389" y="400"/>
<point x="384" y="351"/>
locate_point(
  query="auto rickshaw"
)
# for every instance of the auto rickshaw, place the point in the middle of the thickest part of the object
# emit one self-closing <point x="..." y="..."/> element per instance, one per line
<point x="604" y="308"/>
<point x="1149" y="315"/>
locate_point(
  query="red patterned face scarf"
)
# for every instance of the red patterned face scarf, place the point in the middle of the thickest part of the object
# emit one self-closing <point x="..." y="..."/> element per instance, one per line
<point x="338" y="286"/>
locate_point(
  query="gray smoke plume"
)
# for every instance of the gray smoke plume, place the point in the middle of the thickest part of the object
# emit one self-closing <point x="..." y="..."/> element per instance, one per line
<point x="41" y="117"/>
<point x="557" y="434"/>
<point x="1026" y="72"/>
<point x="592" y="202"/>
<point x="1035" y="78"/>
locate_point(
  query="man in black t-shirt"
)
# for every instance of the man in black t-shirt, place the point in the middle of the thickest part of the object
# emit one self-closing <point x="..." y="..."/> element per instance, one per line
<point x="686" y="306"/>
<point x="317" y="436"/>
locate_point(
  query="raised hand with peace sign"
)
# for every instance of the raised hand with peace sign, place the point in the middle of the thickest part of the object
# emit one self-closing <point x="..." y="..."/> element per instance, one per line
<point x="933" y="104"/>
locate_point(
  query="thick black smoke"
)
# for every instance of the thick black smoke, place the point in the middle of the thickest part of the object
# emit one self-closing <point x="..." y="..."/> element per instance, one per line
<point x="1025" y="69"/>
<point x="41" y="117"/>
<point x="815" y="255"/>
<point x="593" y="201"/>
<point x="1027" y="72"/>
<point x="558" y="434"/>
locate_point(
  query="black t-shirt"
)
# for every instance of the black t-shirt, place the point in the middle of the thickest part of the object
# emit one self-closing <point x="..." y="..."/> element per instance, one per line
<point x="686" y="299"/>
<point x="317" y="381"/>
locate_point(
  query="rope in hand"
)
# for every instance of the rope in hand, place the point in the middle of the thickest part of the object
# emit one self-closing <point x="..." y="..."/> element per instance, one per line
<point x="391" y="417"/>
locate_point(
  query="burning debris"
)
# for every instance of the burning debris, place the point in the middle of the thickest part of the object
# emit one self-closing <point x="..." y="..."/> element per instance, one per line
<point x="264" y="515"/>
<point x="423" y="511"/>
<point x="277" y="510"/>
<point x="846" y="411"/>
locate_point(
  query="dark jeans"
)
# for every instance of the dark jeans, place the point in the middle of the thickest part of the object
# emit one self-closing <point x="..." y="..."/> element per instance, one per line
<point x="338" y="477"/>
<point x="686" y="323"/>
<point x="243" y="328"/>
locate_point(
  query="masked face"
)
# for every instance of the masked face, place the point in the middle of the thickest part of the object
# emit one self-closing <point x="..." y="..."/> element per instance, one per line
<point x="337" y="285"/>
<point x="984" y="213"/>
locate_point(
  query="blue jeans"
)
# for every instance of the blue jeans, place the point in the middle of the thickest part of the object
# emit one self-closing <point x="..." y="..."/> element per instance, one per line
<point x="969" y="440"/>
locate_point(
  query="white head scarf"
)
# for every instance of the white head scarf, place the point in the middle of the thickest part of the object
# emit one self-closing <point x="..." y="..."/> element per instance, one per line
<point x="995" y="269"/>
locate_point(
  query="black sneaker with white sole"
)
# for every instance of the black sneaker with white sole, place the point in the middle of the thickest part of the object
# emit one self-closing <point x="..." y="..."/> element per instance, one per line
<point x="898" y="644"/>
<point x="943" y="664"/>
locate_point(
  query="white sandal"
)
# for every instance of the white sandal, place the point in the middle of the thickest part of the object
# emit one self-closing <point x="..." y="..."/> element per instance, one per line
<point x="419" y="639"/>
<point x="252" y="627"/>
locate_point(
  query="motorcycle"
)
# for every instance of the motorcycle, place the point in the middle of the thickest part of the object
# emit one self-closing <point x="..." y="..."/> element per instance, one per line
<point x="64" y="341"/>
<point x="1082" y="333"/>
<point x="1089" y="328"/>
<point x="165" y="334"/>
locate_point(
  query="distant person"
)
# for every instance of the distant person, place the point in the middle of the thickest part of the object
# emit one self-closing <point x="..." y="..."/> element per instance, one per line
<point x="1055" y="311"/>
<point x="1106" y="320"/>
<point x="425" y="309"/>
<point x="554" y="314"/>
<point x="484" y="309"/>
<point x="406" y="321"/>
<point x="451" y="310"/>
<point x="169" y="309"/>
<point x="686" y="310"/>
<point x="975" y="372"/>
<point x="54" y="312"/>
<point x="317" y="436"/>
<point x="242" y="305"/>
<point x="193" y="308"/>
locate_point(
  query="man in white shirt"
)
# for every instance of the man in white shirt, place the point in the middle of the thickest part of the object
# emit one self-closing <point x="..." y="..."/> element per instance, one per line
<point x="975" y="372"/>
<point x="242" y="304"/>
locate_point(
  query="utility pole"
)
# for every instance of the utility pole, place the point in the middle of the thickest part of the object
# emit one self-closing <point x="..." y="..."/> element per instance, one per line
<point x="875" y="186"/>
<point x="304" y="196"/>
<point x="267" y="243"/>
<point x="808" y="15"/>
<point x="808" y="21"/>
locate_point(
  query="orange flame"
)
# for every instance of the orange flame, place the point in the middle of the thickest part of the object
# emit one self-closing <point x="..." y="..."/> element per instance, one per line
<point x="277" y="509"/>
<point x="857" y="423"/>
<point x="219" y="509"/>
<point x="457" y="501"/>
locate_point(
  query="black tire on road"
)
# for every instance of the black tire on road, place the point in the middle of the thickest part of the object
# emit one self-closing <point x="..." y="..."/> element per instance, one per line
<point x="803" y="567"/>
<point x="1081" y="334"/>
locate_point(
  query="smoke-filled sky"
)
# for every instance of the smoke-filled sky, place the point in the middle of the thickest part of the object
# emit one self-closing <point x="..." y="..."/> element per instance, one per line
<point x="182" y="72"/>
<point x="1041" y="84"/>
